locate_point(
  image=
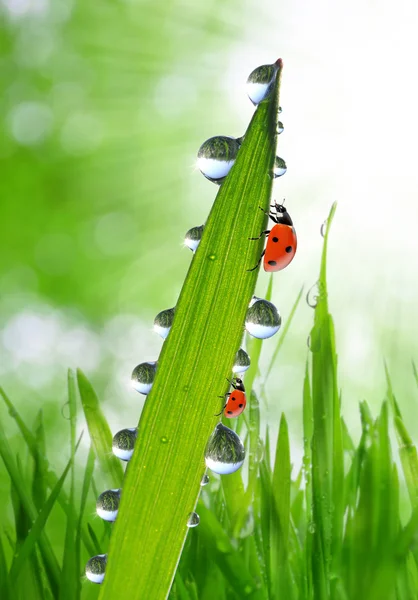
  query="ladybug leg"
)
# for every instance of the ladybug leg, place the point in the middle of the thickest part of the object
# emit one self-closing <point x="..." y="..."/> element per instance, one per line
<point x="269" y="214"/>
<point x="259" y="261"/>
<point x="266" y="232"/>
<point x="219" y="414"/>
<point x="233" y="385"/>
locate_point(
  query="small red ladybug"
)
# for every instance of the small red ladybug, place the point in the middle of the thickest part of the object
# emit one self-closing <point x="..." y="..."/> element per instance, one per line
<point x="281" y="241"/>
<point x="235" y="401"/>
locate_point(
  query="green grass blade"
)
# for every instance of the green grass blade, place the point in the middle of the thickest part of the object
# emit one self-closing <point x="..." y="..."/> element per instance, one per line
<point x="228" y="559"/>
<point x="40" y="474"/>
<point x="280" y="515"/>
<point x="254" y="347"/>
<point x="307" y="467"/>
<point x="70" y="580"/>
<point x="283" y="334"/>
<point x="325" y="403"/>
<point x="415" y="371"/>
<point x="36" y="531"/>
<point x="409" y="460"/>
<point x="162" y="483"/>
<point x="42" y="461"/>
<point x="48" y="556"/>
<point x="5" y="591"/>
<point x="88" y="474"/>
<point x="100" y="433"/>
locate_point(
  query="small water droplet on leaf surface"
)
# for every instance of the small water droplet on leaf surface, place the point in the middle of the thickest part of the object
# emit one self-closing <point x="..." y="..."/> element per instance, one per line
<point x="193" y="520"/>
<point x="280" y="167"/>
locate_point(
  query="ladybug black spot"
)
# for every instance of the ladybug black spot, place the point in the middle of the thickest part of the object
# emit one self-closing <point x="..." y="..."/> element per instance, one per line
<point x="229" y="412"/>
<point x="272" y="263"/>
<point x="288" y="249"/>
<point x="240" y="405"/>
<point x="275" y="239"/>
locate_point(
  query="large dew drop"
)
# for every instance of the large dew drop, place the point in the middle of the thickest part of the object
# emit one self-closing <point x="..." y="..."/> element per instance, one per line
<point x="263" y="319"/>
<point x="193" y="520"/>
<point x="261" y="81"/>
<point x="124" y="442"/>
<point x="163" y="322"/>
<point x="242" y="362"/>
<point x="107" y="505"/>
<point x="96" y="567"/>
<point x="193" y="237"/>
<point x="225" y="453"/>
<point x="279" y="168"/>
<point x="216" y="157"/>
<point x="143" y="376"/>
<point x="280" y="127"/>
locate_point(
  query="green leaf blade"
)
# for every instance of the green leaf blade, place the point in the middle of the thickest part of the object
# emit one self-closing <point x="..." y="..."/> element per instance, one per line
<point x="178" y="416"/>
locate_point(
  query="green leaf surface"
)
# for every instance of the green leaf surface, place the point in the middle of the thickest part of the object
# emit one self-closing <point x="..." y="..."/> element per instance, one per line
<point x="43" y="464"/>
<point x="36" y="531"/>
<point x="100" y="433"/>
<point x="30" y="513"/>
<point x="162" y="483"/>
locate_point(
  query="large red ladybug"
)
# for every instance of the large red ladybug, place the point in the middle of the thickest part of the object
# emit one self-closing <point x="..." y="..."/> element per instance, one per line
<point x="281" y="240"/>
<point x="235" y="400"/>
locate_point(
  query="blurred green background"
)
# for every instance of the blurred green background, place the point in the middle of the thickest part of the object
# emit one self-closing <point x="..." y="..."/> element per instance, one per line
<point x="103" y="108"/>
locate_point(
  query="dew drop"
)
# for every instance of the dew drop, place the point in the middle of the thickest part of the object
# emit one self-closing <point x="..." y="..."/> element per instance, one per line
<point x="205" y="480"/>
<point x="263" y="320"/>
<point x="65" y="411"/>
<point x="280" y="127"/>
<point x="164" y="439"/>
<point x="143" y="376"/>
<point x="124" y="442"/>
<point x="261" y="81"/>
<point x="311" y="527"/>
<point x="280" y="167"/>
<point x="96" y="567"/>
<point x="216" y="157"/>
<point x="225" y="452"/>
<point x="193" y="237"/>
<point x="107" y="505"/>
<point x="163" y="322"/>
<point x="212" y="257"/>
<point x="193" y="520"/>
<point x="323" y="229"/>
<point x="242" y="362"/>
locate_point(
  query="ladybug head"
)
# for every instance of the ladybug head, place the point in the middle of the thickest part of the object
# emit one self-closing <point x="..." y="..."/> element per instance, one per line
<point x="239" y="385"/>
<point x="279" y="208"/>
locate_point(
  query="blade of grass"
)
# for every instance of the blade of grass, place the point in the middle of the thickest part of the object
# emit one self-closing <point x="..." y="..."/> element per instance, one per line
<point x="35" y="533"/>
<point x="162" y="483"/>
<point x="43" y="463"/>
<point x="325" y="402"/>
<point x="48" y="556"/>
<point x="228" y="559"/>
<point x="254" y="346"/>
<point x="282" y="336"/>
<point x="280" y="516"/>
<point x="99" y="431"/>
<point x="70" y="580"/>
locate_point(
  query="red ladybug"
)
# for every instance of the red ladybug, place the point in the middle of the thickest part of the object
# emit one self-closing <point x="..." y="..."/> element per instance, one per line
<point x="235" y="401"/>
<point x="281" y="241"/>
